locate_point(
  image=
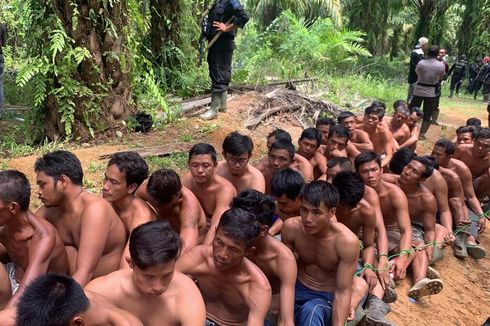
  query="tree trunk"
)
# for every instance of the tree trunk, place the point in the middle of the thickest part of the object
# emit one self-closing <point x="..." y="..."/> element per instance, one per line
<point x="100" y="30"/>
<point x="426" y="9"/>
<point x="165" y="31"/>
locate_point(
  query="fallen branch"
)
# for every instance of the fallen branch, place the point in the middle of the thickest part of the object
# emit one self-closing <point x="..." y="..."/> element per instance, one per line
<point x="254" y="122"/>
<point x="157" y="151"/>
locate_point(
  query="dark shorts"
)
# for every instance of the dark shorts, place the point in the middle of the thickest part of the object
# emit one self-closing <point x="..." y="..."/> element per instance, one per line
<point x="311" y="307"/>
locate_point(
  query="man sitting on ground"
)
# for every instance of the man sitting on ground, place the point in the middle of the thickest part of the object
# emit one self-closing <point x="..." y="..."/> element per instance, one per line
<point x="358" y="138"/>
<point x="334" y="166"/>
<point x="237" y="151"/>
<point x="337" y="144"/>
<point x="271" y="256"/>
<point x="465" y="135"/>
<point x="323" y="126"/>
<point x="328" y="253"/>
<point x="412" y="122"/>
<point x="93" y="234"/>
<point x="396" y="124"/>
<point x="125" y="172"/>
<point x="152" y="289"/>
<point x="308" y="144"/>
<point x="235" y="291"/>
<point x="171" y="201"/>
<point x="32" y="243"/>
<point x="213" y="191"/>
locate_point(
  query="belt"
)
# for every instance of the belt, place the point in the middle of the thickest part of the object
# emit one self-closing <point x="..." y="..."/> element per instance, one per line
<point x="427" y="85"/>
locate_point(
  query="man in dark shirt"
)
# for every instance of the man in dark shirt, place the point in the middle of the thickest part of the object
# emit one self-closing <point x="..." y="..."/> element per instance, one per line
<point x="458" y="69"/>
<point x="3" y="42"/>
<point x="225" y="16"/>
<point x="483" y="74"/>
<point x="416" y="55"/>
<point x="472" y="72"/>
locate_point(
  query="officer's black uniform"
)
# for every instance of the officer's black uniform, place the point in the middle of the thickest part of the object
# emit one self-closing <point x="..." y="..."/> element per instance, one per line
<point x="472" y="72"/>
<point x="483" y="75"/>
<point x="458" y="69"/>
<point x="220" y="53"/>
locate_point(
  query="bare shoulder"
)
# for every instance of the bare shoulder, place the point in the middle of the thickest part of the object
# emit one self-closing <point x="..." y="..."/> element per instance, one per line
<point x="186" y="180"/>
<point x="221" y="168"/>
<point x="257" y="278"/>
<point x="93" y="204"/>
<point x="109" y="285"/>
<point x="142" y="213"/>
<point x="366" y="210"/>
<point x="344" y="236"/>
<point x="225" y="187"/>
<point x="185" y="287"/>
<point x="291" y="224"/>
<point x="395" y="192"/>
<point x="261" y="164"/>
<point x="8" y="316"/>
<point x="390" y="178"/>
<point x="463" y="149"/>
<point x="460" y="165"/>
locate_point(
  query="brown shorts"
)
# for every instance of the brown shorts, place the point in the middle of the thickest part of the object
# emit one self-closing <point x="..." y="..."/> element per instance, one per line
<point x="394" y="237"/>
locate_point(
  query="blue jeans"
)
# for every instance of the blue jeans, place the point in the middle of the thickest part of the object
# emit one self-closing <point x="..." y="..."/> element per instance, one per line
<point x="312" y="307"/>
<point x="2" y="72"/>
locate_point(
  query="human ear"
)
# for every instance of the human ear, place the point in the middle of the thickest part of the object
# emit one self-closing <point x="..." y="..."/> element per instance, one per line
<point x="132" y="188"/>
<point x="77" y="321"/>
<point x="264" y="230"/>
<point x="130" y="262"/>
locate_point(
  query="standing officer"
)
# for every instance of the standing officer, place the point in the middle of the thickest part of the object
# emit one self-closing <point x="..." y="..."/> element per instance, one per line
<point x="416" y="55"/>
<point x="483" y="73"/>
<point x="224" y="17"/>
<point x="472" y="72"/>
<point x="459" y="72"/>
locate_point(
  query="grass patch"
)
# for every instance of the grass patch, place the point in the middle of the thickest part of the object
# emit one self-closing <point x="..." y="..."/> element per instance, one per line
<point x="177" y="162"/>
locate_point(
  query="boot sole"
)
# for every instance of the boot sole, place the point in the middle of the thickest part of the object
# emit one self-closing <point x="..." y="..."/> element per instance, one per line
<point x="430" y="288"/>
<point x="476" y="252"/>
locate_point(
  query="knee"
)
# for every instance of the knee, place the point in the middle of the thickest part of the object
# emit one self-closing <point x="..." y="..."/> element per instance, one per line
<point x="315" y="312"/>
<point x="359" y="286"/>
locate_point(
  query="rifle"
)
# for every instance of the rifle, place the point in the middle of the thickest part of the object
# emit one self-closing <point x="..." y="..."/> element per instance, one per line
<point x="204" y="30"/>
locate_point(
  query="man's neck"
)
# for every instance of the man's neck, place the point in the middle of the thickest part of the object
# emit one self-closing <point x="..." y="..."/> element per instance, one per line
<point x="18" y="222"/>
<point x="70" y="196"/>
<point x="408" y="188"/>
<point x="124" y="203"/>
<point x="204" y="185"/>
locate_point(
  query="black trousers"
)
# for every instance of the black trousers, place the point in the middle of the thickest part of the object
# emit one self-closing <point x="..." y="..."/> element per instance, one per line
<point x="478" y="85"/>
<point x="219" y="61"/>
<point x="430" y="110"/>
<point x="456" y="82"/>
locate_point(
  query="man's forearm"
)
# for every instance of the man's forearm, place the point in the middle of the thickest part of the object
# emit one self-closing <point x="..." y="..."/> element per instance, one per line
<point x="341" y="307"/>
<point x="368" y="254"/>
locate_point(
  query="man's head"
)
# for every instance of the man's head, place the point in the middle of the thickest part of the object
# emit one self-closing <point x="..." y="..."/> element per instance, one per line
<point x="433" y="51"/>
<point x="286" y="186"/>
<point x="443" y="151"/>
<point x="400" y="113"/>
<point x="441" y="53"/>
<point x="237" y="151"/>
<point x="236" y="233"/>
<point x="255" y="202"/>
<point x="423" y="43"/>
<point x="373" y="115"/>
<point x="368" y="165"/>
<point x="308" y="142"/>
<point x="276" y="135"/>
<point x="15" y="193"/>
<point x="202" y="162"/>
<point x="415" y="116"/>
<point x="338" y="136"/>
<point x="348" y="120"/>
<point x="323" y="126"/>
<point x="466" y="134"/>
<point x="400" y="159"/>
<point x="56" y="172"/>
<point x="336" y="165"/>
<point x="164" y="188"/>
<point x="350" y="187"/>
<point x="281" y="155"/>
<point x="481" y="146"/>
<point x="318" y="201"/>
<point x="125" y="172"/>
<point x="153" y="247"/>
<point x="52" y="300"/>
<point x="416" y="171"/>
<point x="473" y="122"/>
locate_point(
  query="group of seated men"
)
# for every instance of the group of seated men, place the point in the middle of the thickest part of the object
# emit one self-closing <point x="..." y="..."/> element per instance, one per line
<point x="316" y="235"/>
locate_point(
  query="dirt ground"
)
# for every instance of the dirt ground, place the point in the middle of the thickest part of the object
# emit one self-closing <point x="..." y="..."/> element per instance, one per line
<point x="465" y="299"/>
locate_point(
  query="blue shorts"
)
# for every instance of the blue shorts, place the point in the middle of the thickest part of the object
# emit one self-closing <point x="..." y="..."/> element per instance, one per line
<point x="312" y="307"/>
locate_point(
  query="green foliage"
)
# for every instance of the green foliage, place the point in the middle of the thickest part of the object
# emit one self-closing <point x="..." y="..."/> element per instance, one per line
<point x="177" y="162"/>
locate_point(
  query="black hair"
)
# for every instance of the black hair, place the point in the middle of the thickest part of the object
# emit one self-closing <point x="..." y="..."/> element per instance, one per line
<point x="14" y="187"/>
<point x="262" y="206"/>
<point x="58" y="163"/>
<point x="313" y="134"/>
<point x="344" y="115"/>
<point x="366" y="157"/>
<point x="467" y="129"/>
<point x="339" y="131"/>
<point x="317" y="192"/>
<point x="483" y="133"/>
<point x="51" y="300"/>
<point x="375" y="109"/>
<point x="433" y="161"/>
<point x="379" y="104"/>
<point x="237" y="144"/>
<point x="433" y="51"/>
<point x="280" y="134"/>
<point x="286" y="182"/>
<point x="429" y="166"/>
<point x="403" y="108"/>
<point x="163" y="185"/>
<point x="154" y="243"/>
<point x="132" y="165"/>
<point x="448" y="145"/>
<point x="473" y="122"/>
<point x="203" y="149"/>
<point x="350" y="188"/>
<point x="400" y="159"/>
<point x="399" y="103"/>
<point x="240" y="225"/>
<point x="344" y="162"/>
<point x="326" y="121"/>
<point x="418" y="112"/>
<point x="284" y="144"/>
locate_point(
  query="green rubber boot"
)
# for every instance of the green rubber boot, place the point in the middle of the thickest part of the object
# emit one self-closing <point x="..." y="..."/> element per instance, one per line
<point x="212" y="112"/>
<point x="224" y="102"/>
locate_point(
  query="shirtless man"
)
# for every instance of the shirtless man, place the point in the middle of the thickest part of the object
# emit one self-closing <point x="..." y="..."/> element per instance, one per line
<point x="443" y="151"/>
<point x="308" y="144"/>
<point x="93" y="234"/>
<point x="379" y="135"/>
<point x="152" y="289"/>
<point x="394" y="207"/>
<point x="212" y="190"/>
<point x="33" y="245"/>
<point x="338" y="144"/>
<point x="237" y="151"/>
<point x="170" y="201"/>
<point x="323" y="126"/>
<point x="396" y="124"/>
<point x="358" y="138"/>
<point x="334" y="166"/>
<point x="412" y="122"/>
<point x="281" y="156"/>
<point x="125" y="172"/>
<point x="465" y="135"/>
<point x="235" y="291"/>
<point x="41" y="302"/>
<point x="286" y="185"/>
<point x="327" y="257"/>
<point x="271" y="256"/>
<point x="359" y="216"/>
<point x="422" y="210"/>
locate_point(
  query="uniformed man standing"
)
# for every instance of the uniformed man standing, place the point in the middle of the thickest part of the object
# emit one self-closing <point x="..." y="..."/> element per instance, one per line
<point x="458" y="69"/>
<point x="473" y="72"/>
<point x="224" y="17"/>
<point x="416" y="55"/>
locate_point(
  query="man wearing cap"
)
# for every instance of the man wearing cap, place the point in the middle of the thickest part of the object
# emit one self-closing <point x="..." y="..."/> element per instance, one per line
<point x="416" y="55"/>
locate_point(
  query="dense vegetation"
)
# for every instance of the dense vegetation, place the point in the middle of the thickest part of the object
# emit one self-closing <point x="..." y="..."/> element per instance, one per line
<point x="83" y="66"/>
